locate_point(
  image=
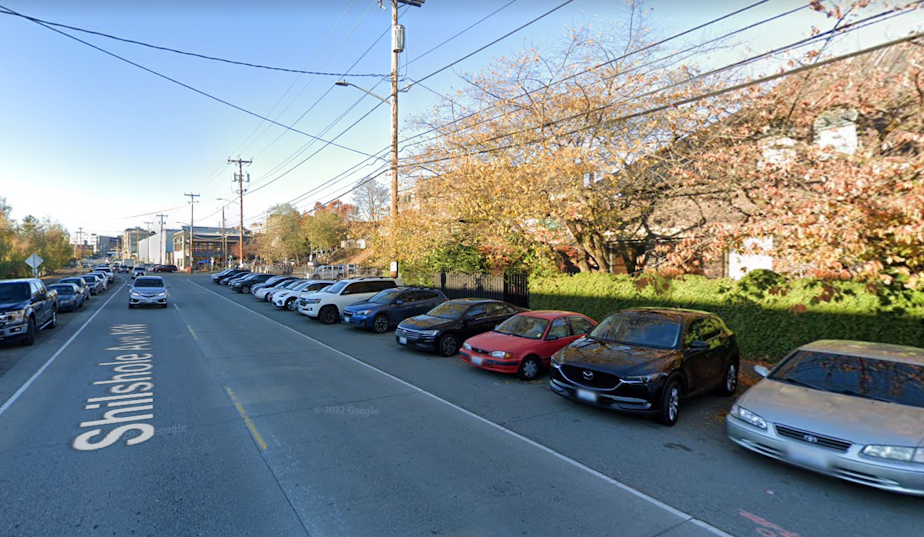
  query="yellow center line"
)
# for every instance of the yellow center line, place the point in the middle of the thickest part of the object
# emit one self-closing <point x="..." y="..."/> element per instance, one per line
<point x="247" y="421"/>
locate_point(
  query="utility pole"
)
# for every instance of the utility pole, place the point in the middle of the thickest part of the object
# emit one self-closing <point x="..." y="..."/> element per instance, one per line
<point x="192" y="223"/>
<point x="162" y="253"/>
<point x="148" y="238"/>
<point x="79" y="247"/>
<point x="240" y="188"/>
<point x="224" y="243"/>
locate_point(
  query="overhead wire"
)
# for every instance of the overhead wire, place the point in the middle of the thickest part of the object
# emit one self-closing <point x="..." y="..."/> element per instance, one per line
<point x="6" y="11"/>
<point x="187" y="86"/>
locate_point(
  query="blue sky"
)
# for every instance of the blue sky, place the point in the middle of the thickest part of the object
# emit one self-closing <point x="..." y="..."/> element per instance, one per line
<point x="95" y="143"/>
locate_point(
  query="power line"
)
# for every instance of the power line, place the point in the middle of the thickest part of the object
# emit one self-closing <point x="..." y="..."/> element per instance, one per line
<point x="498" y="40"/>
<point x="175" y="51"/>
<point x="200" y="92"/>
<point x="690" y="100"/>
<point x="486" y="17"/>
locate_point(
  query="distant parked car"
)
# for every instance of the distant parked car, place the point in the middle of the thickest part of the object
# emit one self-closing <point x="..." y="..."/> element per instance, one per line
<point x="646" y="360"/>
<point x="847" y="409"/>
<point x="326" y="305"/>
<point x="271" y="282"/>
<point x="524" y="344"/>
<point x="102" y="277"/>
<point x="445" y="327"/>
<point x="266" y="293"/>
<point x="70" y="297"/>
<point x="246" y="284"/>
<point x="94" y="282"/>
<point x="227" y="273"/>
<point x="390" y="307"/>
<point x="148" y="291"/>
<point x="164" y="268"/>
<point x="80" y="283"/>
<point x="291" y="300"/>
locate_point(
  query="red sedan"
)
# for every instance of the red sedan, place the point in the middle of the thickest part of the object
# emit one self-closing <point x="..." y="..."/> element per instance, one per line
<point x="524" y="344"/>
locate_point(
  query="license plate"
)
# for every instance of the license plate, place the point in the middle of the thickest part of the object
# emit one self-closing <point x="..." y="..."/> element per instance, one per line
<point x="586" y="395"/>
<point x="477" y="361"/>
<point x="402" y="340"/>
<point x="808" y="457"/>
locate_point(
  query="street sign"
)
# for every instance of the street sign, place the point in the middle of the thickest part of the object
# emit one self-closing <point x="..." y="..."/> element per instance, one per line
<point x="34" y="261"/>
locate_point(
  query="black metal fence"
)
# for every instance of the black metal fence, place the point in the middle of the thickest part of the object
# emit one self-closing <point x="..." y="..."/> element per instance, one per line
<point x="511" y="287"/>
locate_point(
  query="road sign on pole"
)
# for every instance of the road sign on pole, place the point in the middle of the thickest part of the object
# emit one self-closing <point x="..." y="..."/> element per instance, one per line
<point x="35" y="262"/>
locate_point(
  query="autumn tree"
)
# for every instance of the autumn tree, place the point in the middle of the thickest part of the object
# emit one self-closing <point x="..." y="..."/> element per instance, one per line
<point x="829" y="165"/>
<point x="371" y="199"/>
<point x="282" y="237"/>
<point x="326" y="225"/>
<point x="551" y="148"/>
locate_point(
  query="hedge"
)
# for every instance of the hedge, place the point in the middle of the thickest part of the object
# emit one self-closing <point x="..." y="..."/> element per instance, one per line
<point x="771" y="316"/>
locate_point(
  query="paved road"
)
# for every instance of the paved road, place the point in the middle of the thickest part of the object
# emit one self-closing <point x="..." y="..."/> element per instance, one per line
<point x="262" y="422"/>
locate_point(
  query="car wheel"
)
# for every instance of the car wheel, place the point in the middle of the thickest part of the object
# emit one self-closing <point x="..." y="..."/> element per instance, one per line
<point x="529" y="368"/>
<point x="29" y="338"/>
<point x="245" y="289"/>
<point x="670" y="403"/>
<point x="290" y="304"/>
<point x="380" y="324"/>
<point x="448" y="345"/>
<point x="54" y="319"/>
<point x="729" y="379"/>
<point x="329" y="314"/>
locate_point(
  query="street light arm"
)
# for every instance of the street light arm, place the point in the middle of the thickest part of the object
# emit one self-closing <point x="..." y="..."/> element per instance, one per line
<point x="344" y="83"/>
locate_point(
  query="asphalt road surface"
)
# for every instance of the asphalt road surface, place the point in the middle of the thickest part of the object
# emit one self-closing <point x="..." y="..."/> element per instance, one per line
<point x="222" y="415"/>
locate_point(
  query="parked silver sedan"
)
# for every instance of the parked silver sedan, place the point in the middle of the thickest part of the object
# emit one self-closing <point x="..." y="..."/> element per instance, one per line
<point x="148" y="290"/>
<point x="848" y="409"/>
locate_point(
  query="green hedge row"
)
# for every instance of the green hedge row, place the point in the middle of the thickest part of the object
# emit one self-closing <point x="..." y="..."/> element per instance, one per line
<point x="771" y="316"/>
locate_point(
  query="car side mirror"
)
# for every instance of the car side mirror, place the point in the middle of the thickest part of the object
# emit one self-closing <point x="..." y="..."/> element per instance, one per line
<point x="43" y="296"/>
<point x="761" y="370"/>
<point x="399" y="302"/>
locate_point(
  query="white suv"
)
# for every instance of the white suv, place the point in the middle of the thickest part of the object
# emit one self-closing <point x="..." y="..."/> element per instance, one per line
<point x="326" y="305"/>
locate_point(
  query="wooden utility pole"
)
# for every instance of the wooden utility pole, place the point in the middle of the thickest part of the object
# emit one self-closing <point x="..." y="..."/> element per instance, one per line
<point x="192" y="227"/>
<point x="240" y="188"/>
<point x="162" y="253"/>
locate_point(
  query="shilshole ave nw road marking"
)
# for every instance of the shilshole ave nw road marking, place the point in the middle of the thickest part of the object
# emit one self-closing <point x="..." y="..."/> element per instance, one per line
<point x="132" y="387"/>
<point x="685" y="517"/>
<point x="9" y="402"/>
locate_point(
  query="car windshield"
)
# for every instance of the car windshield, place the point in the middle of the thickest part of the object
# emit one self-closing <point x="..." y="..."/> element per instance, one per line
<point x="386" y="297"/>
<point x="14" y="291"/>
<point x="65" y="289"/>
<point x="90" y="278"/>
<point x="868" y="378"/>
<point x="299" y="286"/>
<point x="74" y="281"/>
<point x="149" y="282"/>
<point x="523" y="326"/>
<point x="449" y="310"/>
<point x="639" y="328"/>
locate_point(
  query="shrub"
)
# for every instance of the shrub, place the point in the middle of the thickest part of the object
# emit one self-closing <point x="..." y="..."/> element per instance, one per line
<point x="770" y="315"/>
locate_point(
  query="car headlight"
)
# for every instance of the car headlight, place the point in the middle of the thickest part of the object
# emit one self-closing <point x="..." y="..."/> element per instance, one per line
<point x="642" y="379"/>
<point x="747" y="416"/>
<point x="161" y="295"/>
<point x="466" y="346"/>
<point x="363" y="312"/>
<point x="15" y="316"/>
<point x="136" y="295"/>
<point x="428" y="333"/>
<point x="896" y="453"/>
<point x="501" y="354"/>
<point x="311" y="301"/>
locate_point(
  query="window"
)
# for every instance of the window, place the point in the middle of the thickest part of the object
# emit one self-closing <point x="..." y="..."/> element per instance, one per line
<point x="559" y="329"/>
<point x="695" y="331"/>
<point x="493" y="309"/>
<point x="580" y="325"/>
<point x="477" y="312"/>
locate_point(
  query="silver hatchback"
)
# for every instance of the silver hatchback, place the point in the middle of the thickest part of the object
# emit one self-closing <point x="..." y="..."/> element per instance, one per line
<point x="148" y="290"/>
<point x="848" y="409"/>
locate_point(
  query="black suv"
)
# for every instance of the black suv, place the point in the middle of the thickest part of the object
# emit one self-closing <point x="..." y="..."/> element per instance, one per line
<point x="26" y="305"/>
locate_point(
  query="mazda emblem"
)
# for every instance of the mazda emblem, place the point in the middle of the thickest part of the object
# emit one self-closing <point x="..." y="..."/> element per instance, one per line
<point x="809" y="438"/>
<point x="588" y="375"/>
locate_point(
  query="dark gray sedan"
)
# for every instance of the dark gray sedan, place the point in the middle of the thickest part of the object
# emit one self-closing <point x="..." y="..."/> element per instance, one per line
<point x="848" y="409"/>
